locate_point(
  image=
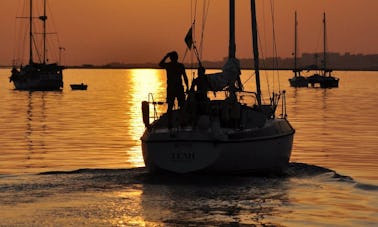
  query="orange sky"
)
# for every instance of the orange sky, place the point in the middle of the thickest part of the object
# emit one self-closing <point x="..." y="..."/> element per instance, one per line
<point x="103" y="31"/>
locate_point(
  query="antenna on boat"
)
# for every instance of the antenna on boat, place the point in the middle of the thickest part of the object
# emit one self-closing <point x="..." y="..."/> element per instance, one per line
<point x="60" y="54"/>
<point x="255" y="51"/>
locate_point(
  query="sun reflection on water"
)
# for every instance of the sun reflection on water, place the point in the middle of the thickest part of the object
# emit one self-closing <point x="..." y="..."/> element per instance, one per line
<point x="141" y="82"/>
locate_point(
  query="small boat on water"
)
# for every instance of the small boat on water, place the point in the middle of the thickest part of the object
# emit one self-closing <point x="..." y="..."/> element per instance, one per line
<point x="297" y="80"/>
<point x="229" y="135"/>
<point x="81" y="86"/>
<point x="324" y="78"/>
<point x="37" y="75"/>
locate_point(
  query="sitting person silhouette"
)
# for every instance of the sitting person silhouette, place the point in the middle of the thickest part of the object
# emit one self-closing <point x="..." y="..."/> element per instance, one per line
<point x="201" y="84"/>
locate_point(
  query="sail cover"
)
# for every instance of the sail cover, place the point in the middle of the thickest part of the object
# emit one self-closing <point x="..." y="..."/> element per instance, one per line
<point x="228" y="77"/>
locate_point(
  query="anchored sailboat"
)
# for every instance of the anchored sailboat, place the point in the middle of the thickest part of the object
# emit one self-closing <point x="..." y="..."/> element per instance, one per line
<point x="37" y="75"/>
<point x="324" y="77"/>
<point x="298" y="80"/>
<point x="228" y="135"/>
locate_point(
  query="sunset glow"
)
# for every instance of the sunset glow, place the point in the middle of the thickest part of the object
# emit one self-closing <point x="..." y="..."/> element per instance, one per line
<point x="100" y="32"/>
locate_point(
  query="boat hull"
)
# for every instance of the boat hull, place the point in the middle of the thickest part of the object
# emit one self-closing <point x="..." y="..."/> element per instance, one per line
<point x="242" y="154"/>
<point x="78" y="86"/>
<point x="323" y="81"/>
<point x="39" y="84"/>
<point x="39" y="77"/>
<point x="298" y="82"/>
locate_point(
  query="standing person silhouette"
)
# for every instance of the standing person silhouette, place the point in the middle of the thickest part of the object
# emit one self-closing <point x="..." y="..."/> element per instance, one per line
<point x="175" y="89"/>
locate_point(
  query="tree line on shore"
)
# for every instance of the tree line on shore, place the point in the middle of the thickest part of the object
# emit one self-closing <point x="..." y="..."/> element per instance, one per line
<point x="335" y="61"/>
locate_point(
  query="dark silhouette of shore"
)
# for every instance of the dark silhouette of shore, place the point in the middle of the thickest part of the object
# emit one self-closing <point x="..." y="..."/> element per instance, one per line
<point x="335" y="61"/>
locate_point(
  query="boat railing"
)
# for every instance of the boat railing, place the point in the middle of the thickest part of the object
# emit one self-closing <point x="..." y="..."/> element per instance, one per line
<point x="270" y="106"/>
<point x="269" y="109"/>
<point x="244" y="95"/>
<point x="146" y="109"/>
<point x="154" y="103"/>
<point x="283" y="104"/>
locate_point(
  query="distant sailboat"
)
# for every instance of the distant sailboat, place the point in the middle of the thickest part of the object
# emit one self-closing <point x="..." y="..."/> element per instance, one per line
<point x="324" y="77"/>
<point x="37" y="75"/>
<point x="229" y="135"/>
<point x="298" y="80"/>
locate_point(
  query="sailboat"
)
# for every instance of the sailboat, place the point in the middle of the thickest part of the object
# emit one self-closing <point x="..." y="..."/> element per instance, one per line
<point x="324" y="77"/>
<point x="227" y="135"/>
<point x="37" y="75"/>
<point x="298" y="80"/>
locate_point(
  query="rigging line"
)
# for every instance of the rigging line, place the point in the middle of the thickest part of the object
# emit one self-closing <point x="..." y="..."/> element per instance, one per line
<point x="275" y="63"/>
<point x="15" y="38"/>
<point x="193" y="27"/>
<point x="264" y="65"/>
<point x="206" y="6"/>
<point x="264" y="45"/>
<point x="195" y="9"/>
<point x="51" y="18"/>
<point x="23" y="34"/>
<point x="194" y="17"/>
<point x="186" y="48"/>
<point x="25" y="43"/>
<point x="190" y="20"/>
<point x="37" y="30"/>
<point x="20" y="44"/>
<point x="246" y="81"/>
<point x="202" y="28"/>
<point x="53" y="54"/>
<point x="317" y="49"/>
<point x="191" y="64"/>
<point x="192" y="6"/>
<point x="36" y="50"/>
<point x="297" y="44"/>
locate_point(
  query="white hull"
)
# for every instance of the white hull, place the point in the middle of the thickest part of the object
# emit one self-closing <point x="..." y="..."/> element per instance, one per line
<point x="190" y="151"/>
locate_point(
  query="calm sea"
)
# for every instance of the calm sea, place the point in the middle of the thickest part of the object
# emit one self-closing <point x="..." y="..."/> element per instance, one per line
<point x="74" y="158"/>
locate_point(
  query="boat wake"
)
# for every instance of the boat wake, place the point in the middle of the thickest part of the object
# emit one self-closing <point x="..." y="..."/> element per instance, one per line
<point x="297" y="169"/>
<point x="142" y="176"/>
<point x="302" y="170"/>
<point x="94" y="195"/>
<point x="115" y="179"/>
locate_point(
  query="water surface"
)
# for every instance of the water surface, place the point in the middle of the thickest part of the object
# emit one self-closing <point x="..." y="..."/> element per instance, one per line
<point x="74" y="158"/>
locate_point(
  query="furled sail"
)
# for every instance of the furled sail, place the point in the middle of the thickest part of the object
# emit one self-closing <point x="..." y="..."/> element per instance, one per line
<point x="229" y="76"/>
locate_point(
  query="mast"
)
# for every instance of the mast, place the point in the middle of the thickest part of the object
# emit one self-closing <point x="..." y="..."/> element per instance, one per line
<point x="232" y="45"/>
<point x="255" y="51"/>
<point x="31" y="33"/>
<point x="295" y="43"/>
<point x="44" y="18"/>
<point x="324" y="45"/>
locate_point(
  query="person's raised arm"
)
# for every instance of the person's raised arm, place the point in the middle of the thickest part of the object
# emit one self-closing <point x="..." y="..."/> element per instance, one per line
<point x="162" y="62"/>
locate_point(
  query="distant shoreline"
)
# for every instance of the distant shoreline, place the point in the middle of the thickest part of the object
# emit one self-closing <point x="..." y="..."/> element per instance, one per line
<point x="211" y="68"/>
<point x="308" y="61"/>
<point x="245" y="68"/>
